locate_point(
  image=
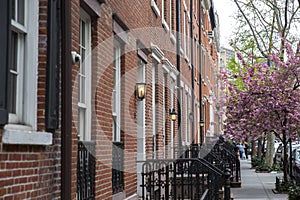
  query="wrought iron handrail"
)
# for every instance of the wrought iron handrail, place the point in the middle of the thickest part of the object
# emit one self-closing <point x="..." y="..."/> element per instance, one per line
<point x="117" y="167"/>
<point x="220" y="154"/>
<point x="86" y="170"/>
<point x="184" y="178"/>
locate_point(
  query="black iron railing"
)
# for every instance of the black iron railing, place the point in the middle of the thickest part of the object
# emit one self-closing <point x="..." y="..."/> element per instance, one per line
<point x="226" y="151"/>
<point x="117" y="167"/>
<point x="221" y="154"/>
<point x="184" y="178"/>
<point x="237" y="167"/>
<point x="86" y="170"/>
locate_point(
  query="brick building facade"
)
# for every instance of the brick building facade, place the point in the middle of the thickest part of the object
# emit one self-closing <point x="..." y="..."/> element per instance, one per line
<point x="115" y="45"/>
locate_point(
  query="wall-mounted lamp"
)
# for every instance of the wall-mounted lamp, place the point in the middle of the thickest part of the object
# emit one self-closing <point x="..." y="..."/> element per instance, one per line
<point x="173" y="114"/>
<point x="201" y="123"/>
<point x="140" y="89"/>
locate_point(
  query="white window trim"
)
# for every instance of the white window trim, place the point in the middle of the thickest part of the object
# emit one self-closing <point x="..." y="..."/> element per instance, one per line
<point x="184" y="6"/>
<point x="117" y="113"/>
<point x="157" y="53"/>
<point x="17" y="118"/>
<point x="155" y="8"/>
<point x="141" y="155"/>
<point x="165" y="25"/>
<point x="21" y="31"/>
<point x="141" y="129"/>
<point x="170" y="69"/>
<point x="172" y="105"/>
<point x="88" y="74"/>
<point x="184" y="34"/>
<point x="187" y="105"/>
<point x="27" y="108"/>
<point x="195" y="6"/>
<point x="164" y="113"/>
<point x="172" y="36"/>
<point x="163" y="20"/>
<point x="173" y="76"/>
<point x="154" y="65"/>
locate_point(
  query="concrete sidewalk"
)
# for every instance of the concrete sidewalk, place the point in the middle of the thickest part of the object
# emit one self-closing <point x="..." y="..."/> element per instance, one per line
<point x="256" y="186"/>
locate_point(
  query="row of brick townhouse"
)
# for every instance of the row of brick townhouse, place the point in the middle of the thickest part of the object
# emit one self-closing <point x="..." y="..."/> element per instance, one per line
<point x="87" y="90"/>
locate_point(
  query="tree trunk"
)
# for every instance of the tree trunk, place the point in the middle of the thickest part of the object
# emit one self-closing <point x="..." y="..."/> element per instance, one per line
<point x="285" y="157"/>
<point x="259" y="148"/>
<point x="270" y="149"/>
<point x="253" y="149"/>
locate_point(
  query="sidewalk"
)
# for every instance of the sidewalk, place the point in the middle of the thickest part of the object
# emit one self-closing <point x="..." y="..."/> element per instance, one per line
<point x="256" y="186"/>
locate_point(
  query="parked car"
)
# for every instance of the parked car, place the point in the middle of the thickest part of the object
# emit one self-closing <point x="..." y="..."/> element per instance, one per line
<point x="296" y="164"/>
<point x="279" y="152"/>
<point x="278" y="155"/>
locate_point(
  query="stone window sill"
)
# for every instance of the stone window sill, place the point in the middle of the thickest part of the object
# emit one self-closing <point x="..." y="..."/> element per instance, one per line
<point x="24" y="135"/>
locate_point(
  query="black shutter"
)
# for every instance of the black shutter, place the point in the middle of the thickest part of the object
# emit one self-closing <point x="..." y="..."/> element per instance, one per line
<point x="4" y="57"/>
<point x="52" y="81"/>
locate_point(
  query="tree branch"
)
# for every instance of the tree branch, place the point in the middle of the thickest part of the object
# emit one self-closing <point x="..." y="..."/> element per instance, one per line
<point x="251" y="29"/>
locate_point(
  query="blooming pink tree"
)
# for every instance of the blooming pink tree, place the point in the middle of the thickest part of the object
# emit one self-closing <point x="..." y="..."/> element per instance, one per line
<point x="267" y="102"/>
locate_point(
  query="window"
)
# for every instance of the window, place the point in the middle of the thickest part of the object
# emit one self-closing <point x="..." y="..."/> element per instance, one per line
<point x="23" y="68"/>
<point x="16" y="71"/>
<point x="172" y="15"/>
<point x="195" y="8"/>
<point x="165" y="15"/>
<point x="184" y="32"/>
<point x="84" y="78"/>
<point x="187" y="36"/>
<point x="22" y="77"/>
<point x="154" y="89"/>
<point x="155" y="7"/>
<point x="172" y="21"/>
<point x="187" y="121"/>
<point x="172" y="105"/>
<point x="117" y="93"/>
<point x="165" y="113"/>
<point x="181" y="99"/>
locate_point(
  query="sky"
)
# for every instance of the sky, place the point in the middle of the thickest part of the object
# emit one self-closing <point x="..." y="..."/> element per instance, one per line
<point x="225" y="10"/>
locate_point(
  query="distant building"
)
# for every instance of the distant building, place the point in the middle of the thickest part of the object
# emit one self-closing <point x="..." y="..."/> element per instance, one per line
<point x="226" y="55"/>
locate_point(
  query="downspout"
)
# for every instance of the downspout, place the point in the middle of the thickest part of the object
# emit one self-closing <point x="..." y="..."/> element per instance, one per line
<point x="192" y="72"/>
<point x="200" y="72"/>
<point x="66" y="98"/>
<point x="178" y="76"/>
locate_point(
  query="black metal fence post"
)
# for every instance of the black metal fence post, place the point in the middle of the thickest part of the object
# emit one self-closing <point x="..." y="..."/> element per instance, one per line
<point x="237" y="170"/>
<point x="227" y="174"/>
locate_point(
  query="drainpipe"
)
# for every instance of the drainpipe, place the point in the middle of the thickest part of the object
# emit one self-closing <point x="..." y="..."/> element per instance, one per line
<point x="178" y="76"/>
<point x="66" y="98"/>
<point x="192" y="72"/>
<point x="200" y="72"/>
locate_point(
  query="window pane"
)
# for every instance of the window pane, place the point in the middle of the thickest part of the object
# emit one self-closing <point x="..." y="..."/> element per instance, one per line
<point x="82" y="89"/>
<point x="20" y="8"/>
<point x="14" y="50"/>
<point x="115" y="128"/>
<point x="13" y="94"/>
<point x="114" y="101"/>
<point x="82" y="67"/>
<point x="81" y="122"/>
<point x="13" y="10"/>
<point x="116" y="93"/>
<point x="13" y="73"/>
<point x="82" y="36"/>
<point x="82" y="75"/>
